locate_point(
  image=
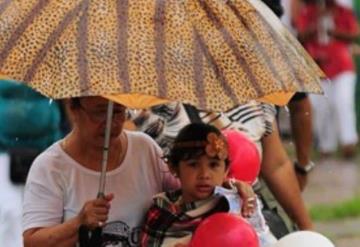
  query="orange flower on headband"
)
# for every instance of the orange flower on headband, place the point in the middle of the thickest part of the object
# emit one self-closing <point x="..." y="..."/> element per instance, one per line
<point x="216" y="146"/>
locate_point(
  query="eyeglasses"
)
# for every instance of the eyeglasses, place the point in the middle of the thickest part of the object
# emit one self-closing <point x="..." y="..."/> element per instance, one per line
<point x="99" y="116"/>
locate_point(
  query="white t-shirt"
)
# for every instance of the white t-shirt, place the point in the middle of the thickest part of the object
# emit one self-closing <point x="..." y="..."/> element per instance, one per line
<point x="347" y="3"/>
<point x="57" y="188"/>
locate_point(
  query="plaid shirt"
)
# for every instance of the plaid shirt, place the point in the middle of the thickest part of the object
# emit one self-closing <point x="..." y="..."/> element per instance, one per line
<point x="169" y="219"/>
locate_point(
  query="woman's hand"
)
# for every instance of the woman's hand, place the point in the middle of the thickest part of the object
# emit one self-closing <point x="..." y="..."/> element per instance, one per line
<point x="95" y="212"/>
<point x="246" y="194"/>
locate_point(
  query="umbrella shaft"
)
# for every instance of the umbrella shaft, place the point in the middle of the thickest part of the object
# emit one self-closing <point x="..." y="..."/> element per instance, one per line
<point x="105" y="149"/>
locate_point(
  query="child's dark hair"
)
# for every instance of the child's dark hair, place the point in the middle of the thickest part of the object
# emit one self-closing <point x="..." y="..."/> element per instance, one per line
<point x="191" y="143"/>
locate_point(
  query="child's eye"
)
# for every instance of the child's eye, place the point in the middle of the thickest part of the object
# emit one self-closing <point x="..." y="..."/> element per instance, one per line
<point x="214" y="164"/>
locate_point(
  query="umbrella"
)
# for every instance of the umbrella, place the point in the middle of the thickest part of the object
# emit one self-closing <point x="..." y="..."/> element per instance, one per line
<point x="209" y="53"/>
<point x="212" y="54"/>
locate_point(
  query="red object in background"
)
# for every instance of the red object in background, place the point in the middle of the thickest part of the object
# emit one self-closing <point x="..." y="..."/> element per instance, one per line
<point x="224" y="229"/>
<point x="243" y="155"/>
<point x="333" y="58"/>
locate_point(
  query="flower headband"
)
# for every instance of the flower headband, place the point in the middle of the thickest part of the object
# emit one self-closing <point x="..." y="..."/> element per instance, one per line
<point x="215" y="145"/>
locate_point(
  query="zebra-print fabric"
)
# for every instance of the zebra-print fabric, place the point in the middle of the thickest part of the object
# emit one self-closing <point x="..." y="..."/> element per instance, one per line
<point x="163" y="123"/>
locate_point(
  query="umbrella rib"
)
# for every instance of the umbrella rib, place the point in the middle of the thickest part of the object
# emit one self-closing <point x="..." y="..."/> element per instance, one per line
<point x="159" y="28"/>
<point x="4" y="5"/>
<point x="82" y="45"/>
<point x="50" y="41"/>
<point x="20" y="30"/>
<point x="122" y="35"/>
<point x="233" y="46"/>
<point x="218" y="71"/>
<point x="198" y="71"/>
<point x="281" y="48"/>
<point x="259" y="45"/>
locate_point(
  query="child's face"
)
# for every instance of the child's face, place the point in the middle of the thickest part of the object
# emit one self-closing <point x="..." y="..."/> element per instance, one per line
<point x="199" y="176"/>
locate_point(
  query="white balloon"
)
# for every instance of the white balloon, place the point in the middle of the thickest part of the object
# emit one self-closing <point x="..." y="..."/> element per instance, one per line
<point x="304" y="239"/>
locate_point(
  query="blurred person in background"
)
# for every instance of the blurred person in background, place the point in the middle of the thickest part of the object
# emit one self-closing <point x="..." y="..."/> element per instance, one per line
<point x="301" y="129"/>
<point x="29" y="124"/>
<point x="326" y="29"/>
<point x="299" y="106"/>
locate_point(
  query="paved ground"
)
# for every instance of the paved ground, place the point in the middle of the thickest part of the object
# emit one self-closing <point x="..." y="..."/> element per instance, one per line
<point x="332" y="181"/>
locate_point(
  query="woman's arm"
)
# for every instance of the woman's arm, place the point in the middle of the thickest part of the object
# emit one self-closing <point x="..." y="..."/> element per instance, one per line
<point x="301" y="129"/>
<point x="65" y="235"/>
<point x="279" y="174"/>
<point x="93" y="214"/>
<point x="344" y="36"/>
<point x="349" y="31"/>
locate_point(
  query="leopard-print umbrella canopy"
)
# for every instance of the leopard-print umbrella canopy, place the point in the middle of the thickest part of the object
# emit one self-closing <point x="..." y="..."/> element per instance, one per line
<point x="213" y="54"/>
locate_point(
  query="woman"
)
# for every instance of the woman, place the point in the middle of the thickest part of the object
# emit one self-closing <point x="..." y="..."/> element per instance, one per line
<point x="65" y="176"/>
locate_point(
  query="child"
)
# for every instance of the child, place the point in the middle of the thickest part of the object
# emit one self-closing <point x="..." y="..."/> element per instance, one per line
<point x="199" y="158"/>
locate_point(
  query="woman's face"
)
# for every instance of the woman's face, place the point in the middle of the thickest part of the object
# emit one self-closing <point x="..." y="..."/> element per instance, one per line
<point x="90" y="120"/>
<point x="199" y="176"/>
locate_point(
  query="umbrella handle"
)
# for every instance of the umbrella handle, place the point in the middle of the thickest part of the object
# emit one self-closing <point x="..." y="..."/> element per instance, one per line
<point x="90" y="238"/>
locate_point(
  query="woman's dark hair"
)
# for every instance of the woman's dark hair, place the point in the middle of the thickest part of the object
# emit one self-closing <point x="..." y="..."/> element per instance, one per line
<point x="74" y="102"/>
<point x="194" y="132"/>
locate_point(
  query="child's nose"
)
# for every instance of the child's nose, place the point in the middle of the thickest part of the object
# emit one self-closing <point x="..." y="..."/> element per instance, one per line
<point x="204" y="172"/>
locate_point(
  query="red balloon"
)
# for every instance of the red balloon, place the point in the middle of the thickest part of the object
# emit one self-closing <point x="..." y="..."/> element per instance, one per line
<point x="224" y="229"/>
<point x="243" y="155"/>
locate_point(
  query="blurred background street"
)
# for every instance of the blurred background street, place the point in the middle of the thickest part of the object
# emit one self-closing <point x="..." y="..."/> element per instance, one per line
<point x="333" y="192"/>
<point x="335" y="185"/>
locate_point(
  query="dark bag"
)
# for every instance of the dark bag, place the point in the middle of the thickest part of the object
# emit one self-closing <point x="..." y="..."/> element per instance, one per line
<point x="20" y="162"/>
<point x="275" y="222"/>
<point x="274" y="215"/>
